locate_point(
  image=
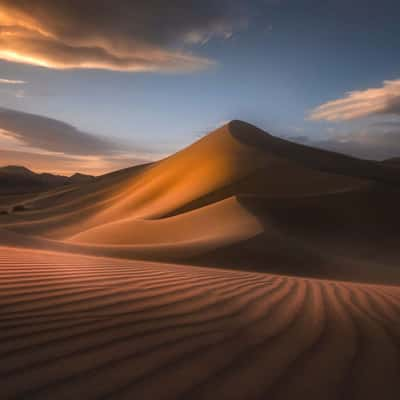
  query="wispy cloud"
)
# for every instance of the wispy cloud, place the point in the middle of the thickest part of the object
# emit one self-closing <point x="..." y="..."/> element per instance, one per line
<point x="127" y="36"/>
<point x="363" y="103"/>
<point x="53" y="135"/>
<point x="11" y="82"/>
<point x="44" y="143"/>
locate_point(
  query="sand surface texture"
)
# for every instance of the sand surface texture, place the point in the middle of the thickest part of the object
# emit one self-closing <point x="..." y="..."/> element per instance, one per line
<point x="85" y="327"/>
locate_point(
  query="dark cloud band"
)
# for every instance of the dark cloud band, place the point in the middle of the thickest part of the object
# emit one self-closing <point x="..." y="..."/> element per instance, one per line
<point x="53" y="135"/>
<point x="46" y="144"/>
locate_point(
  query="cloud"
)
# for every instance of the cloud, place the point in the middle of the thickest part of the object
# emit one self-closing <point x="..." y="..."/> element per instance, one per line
<point x="43" y="143"/>
<point x="357" y="104"/>
<point x="377" y="141"/>
<point x="11" y="82"/>
<point x="123" y="35"/>
<point x="53" y="135"/>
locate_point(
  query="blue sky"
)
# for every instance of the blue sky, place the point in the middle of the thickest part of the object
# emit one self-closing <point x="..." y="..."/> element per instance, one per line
<point x="282" y="60"/>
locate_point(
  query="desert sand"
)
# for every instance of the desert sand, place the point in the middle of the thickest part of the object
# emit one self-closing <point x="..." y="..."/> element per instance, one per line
<point x="242" y="267"/>
<point x="86" y="327"/>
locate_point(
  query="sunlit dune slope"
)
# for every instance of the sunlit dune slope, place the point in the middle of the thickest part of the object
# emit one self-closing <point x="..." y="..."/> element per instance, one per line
<point x="225" y="222"/>
<point x="90" y="328"/>
<point x="235" y="159"/>
<point x="174" y="238"/>
<point x="204" y="167"/>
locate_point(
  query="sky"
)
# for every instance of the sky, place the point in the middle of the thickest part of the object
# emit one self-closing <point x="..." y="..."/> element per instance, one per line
<point x="96" y="86"/>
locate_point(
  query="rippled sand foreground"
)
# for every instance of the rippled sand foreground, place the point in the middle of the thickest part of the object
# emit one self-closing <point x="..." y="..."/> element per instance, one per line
<point x="85" y="327"/>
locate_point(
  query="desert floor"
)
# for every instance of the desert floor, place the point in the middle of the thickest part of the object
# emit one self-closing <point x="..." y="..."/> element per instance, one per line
<point x="85" y="327"/>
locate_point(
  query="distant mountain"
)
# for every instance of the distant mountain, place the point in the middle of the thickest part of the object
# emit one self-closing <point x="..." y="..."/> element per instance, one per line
<point x="17" y="170"/>
<point x="15" y="179"/>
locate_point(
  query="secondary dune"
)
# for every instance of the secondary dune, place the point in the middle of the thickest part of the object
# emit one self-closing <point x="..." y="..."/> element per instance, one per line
<point x="225" y="221"/>
<point x="186" y="235"/>
<point x="89" y="327"/>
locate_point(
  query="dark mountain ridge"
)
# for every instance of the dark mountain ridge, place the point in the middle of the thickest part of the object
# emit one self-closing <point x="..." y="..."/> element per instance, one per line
<point x="16" y="179"/>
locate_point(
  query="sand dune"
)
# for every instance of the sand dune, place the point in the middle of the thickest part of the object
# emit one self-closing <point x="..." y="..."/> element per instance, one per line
<point x="225" y="221"/>
<point x="236" y="193"/>
<point x="186" y="235"/>
<point x="85" y="327"/>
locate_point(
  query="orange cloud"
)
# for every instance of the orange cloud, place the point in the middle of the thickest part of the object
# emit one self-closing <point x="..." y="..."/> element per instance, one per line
<point x="121" y="35"/>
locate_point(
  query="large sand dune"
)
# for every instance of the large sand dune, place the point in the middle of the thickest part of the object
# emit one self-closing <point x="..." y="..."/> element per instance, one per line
<point x="90" y="328"/>
<point x="237" y="192"/>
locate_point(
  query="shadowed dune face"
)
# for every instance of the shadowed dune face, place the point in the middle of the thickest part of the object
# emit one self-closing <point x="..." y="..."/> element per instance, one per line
<point x="238" y="194"/>
<point x="87" y="327"/>
<point x="316" y="159"/>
